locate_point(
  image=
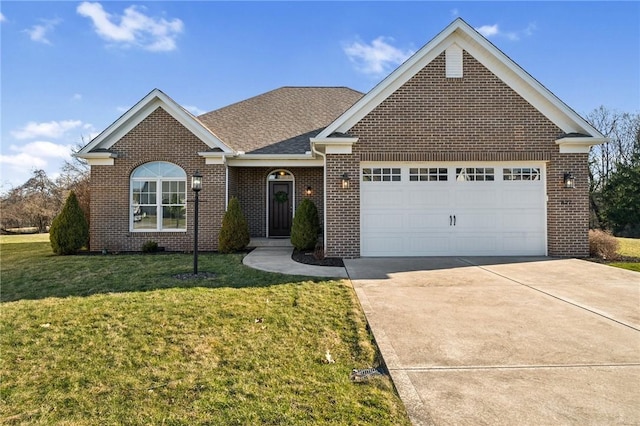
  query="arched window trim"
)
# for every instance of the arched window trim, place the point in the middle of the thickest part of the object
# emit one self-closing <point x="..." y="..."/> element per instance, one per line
<point x="158" y="193"/>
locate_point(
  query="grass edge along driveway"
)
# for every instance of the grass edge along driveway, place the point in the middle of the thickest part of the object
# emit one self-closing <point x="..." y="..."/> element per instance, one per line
<point x="117" y="340"/>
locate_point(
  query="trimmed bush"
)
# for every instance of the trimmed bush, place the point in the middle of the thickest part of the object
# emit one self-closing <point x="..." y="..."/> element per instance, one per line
<point x="306" y="226"/>
<point x="234" y="235"/>
<point x="602" y="244"/>
<point x="69" y="231"/>
<point x="150" y="247"/>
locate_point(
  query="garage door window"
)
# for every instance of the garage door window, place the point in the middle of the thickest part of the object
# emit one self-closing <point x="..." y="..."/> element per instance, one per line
<point x="381" y="175"/>
<point x="432" y="174"/>
<point x="524" y="173"/>
<point x="475" y="174"/>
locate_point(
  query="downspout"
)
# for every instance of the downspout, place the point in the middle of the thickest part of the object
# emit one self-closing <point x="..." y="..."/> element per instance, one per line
<point x="226" y="184"/>
<point x="324" y="194"/>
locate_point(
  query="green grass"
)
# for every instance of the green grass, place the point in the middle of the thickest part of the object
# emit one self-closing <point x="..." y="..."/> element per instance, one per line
<point x="116" y="339"/>
<point x="629" y="247"/>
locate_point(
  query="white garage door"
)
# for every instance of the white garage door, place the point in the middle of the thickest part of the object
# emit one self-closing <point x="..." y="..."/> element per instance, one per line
<point x="450" y="209"/>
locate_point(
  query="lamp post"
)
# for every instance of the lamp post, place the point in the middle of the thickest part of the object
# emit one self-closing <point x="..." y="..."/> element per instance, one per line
<point x="196" y="186"/>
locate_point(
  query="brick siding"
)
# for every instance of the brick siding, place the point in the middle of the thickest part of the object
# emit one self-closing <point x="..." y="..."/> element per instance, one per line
<point x="250" y="187"/>
<point x="157" y="138"/>
<point x="474" y="118"/>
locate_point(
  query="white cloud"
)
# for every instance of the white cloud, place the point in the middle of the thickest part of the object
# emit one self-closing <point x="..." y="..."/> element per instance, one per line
<point x="40" y="32"/>
<point x="77" y="97"/>
<point x="48" y="156"/>
<point x="194" y="110"/>
<point x="376" y="58"/>
<point x="122" y="109"/>
<point x="51" y="129"/>
<point x="133" y="28"/>
<point x="454" y="12"/>
<point x="2" y="18"/>
<point x="494" y="30"/>
<point x="488" y="30"/>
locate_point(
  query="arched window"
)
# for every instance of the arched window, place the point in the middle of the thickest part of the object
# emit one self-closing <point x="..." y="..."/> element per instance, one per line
<point x="158" y="198"/>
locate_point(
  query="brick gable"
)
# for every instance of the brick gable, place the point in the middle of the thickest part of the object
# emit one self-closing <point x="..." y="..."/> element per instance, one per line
<point x="159" y="137"/>
<point x="474" y="118"/>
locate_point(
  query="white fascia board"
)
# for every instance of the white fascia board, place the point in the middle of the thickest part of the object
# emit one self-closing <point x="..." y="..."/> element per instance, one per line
<point x="335" y="145"/>
<point x="156" y="98"/>
<point x="578" y="145"/>
<point x="214" y="157"/>
<point x="275" y="160"/>
<point x="100" y="161"/>
<point x="98" y="158"/>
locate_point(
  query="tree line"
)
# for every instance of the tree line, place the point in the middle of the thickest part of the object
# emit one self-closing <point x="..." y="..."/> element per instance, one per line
<point x="614" y="176"/>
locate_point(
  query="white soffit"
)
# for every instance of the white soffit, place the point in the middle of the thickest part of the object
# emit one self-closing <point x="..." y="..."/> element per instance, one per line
<point x="462" y="34"/>
<point x="155" y="99"/>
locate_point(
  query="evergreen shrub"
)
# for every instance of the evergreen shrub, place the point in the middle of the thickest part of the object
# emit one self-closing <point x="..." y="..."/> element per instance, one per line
<point x="69" y="231"/>
<point x="306" y="226"/>
<point x="234" y="234"/>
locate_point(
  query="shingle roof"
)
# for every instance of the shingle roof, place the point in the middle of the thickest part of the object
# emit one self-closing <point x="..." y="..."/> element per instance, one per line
<point x="280" y="121"/>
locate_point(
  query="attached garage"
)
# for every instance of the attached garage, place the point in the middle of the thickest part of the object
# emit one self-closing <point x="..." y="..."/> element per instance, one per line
<point x="452" y="209"/>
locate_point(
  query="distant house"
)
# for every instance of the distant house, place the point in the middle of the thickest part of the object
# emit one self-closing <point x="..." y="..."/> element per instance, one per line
<point x="459" y="151"/>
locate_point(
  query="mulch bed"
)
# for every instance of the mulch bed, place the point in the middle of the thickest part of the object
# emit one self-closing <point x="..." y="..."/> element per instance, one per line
<point x="308" y="258"/>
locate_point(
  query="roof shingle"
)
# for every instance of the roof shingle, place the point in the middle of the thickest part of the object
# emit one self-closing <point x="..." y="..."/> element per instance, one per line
<point x="280" y="121"/>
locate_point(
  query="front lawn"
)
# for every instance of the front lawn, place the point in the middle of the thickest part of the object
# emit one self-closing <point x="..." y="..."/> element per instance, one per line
<point x="629" y="249"/>
<point x="117" y="339"/>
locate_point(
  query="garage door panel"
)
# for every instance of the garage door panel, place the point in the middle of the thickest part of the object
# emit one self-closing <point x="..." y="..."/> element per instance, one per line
<point x="477" y="220"/>
<point x="423" y="196"/>
<point x="389" y="220"/>
<point x="415" y="217"/>
<point x="433" y="221"/>
<point x="521" y="198"/>
<point x="432" y="244"/>
<point x="521" y="221"/>
<point x="476" y="244"/>
<point x="523" y="243"/>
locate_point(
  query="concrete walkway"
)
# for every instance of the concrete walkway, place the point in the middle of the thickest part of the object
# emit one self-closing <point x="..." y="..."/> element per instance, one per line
<point x="278" y="259"/>
<point x="490" y="341"/>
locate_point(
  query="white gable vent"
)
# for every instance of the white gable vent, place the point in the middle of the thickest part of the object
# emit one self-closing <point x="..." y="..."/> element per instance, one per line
<point x="454" y="61"/>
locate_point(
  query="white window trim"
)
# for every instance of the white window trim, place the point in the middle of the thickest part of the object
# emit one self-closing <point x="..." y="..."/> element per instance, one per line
<point x="159" y="181"/>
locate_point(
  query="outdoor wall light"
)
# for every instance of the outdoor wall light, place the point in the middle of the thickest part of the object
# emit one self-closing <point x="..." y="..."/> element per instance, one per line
<point x="196" y="186"/>
<point x="345" y="180"/>
<point x="569" y="181"/>
<point x="308" y="191"/>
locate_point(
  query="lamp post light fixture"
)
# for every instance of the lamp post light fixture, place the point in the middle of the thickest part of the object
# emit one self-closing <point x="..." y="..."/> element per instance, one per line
<point x="308" y="191"/>
<point x="569" y="181"/>
<point x="196" y="186"/>
<point x="345" y="180"/>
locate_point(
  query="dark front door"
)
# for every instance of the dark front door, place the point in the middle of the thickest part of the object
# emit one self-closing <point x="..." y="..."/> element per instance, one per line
<point x="280" y="194"/>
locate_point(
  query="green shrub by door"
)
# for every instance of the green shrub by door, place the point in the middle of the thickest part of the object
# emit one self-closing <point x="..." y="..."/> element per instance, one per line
<point x="306" y="226"/>
<point x="234" y="235"/>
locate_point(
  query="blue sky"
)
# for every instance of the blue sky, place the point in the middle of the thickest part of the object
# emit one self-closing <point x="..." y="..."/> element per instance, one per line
<point x="69" y="69"/>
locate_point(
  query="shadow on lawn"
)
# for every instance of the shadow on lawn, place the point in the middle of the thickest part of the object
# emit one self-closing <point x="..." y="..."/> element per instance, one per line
<point x="36" y="274"/>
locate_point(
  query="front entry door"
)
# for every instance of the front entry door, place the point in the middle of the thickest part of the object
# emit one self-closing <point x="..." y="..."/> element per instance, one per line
<point x="280" y="208"/>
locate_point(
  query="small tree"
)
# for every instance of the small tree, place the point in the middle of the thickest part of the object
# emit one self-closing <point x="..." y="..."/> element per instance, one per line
<point x="234" y="234"/>
<point x="306" y="226"/>
<point x="69" y="230"/>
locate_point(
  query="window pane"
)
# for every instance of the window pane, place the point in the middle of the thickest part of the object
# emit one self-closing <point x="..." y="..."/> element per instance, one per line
<point x="144" y="217"/>
<point x="173" y="217"/>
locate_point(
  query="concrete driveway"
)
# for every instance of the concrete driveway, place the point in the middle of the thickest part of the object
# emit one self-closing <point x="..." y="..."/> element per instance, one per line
<point x="511" y="341"/>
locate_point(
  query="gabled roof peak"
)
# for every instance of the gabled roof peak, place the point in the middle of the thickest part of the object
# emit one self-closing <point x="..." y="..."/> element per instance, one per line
<point x="459" y="32"/>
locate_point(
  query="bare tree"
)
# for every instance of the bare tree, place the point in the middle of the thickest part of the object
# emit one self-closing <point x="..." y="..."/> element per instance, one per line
<point x="623" y="131"/>
<point x="75" y="176"/>
<point x="34" y="204"/>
